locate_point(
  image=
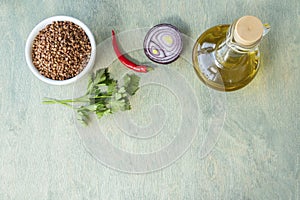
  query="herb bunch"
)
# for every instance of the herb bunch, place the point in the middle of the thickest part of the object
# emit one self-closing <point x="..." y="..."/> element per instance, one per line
<point x="104" y="96"/>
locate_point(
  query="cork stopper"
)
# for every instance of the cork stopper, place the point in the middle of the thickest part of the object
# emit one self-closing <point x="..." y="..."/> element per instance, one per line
<point x="248" y="30"/>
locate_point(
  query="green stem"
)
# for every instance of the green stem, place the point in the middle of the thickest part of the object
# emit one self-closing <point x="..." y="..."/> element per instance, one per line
<point x="66" y="102"/>
<point x="101" y="97"/>
<point x="76" y="100"/>
<point x="56" y="101"/>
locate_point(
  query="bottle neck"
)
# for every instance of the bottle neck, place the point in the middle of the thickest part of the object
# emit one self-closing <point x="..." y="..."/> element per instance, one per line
<point x="229" y="53"/>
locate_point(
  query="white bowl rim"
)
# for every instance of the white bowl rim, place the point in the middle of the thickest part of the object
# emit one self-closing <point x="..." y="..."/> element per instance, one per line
<point x="43" y="24"/>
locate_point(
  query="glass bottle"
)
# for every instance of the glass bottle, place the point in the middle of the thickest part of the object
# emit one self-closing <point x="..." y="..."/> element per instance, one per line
<point x="226" y="57"/>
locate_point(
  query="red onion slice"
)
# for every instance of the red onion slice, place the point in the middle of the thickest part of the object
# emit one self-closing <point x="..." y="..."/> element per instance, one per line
<point x="163" y="43"/>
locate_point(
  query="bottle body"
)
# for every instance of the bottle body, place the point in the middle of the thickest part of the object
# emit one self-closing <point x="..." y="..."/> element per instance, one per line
<point x="222" y="64"/>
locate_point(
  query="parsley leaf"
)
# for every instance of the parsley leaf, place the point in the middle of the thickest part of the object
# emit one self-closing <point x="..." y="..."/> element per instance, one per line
<point x="103" y="96"/>
<point x="131" y="83"/>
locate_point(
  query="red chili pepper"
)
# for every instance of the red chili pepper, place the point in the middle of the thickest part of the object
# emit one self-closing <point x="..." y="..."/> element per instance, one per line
<point x="124" y="60"/>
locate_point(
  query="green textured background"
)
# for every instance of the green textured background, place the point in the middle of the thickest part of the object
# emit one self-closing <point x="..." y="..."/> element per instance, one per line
<point x="257" y="155"/>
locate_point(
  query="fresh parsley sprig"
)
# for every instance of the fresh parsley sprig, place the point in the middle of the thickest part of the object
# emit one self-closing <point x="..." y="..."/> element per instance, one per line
<point x="103" y="96"/>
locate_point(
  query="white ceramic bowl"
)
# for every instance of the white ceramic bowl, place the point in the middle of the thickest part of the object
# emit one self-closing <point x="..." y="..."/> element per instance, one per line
<point x="42" y="25"/>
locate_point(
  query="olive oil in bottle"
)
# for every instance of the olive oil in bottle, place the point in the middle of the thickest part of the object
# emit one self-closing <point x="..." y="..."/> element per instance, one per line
<point x="226" y="57"/>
